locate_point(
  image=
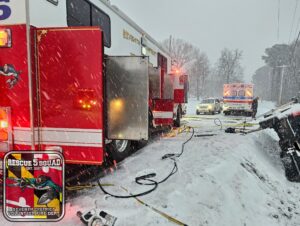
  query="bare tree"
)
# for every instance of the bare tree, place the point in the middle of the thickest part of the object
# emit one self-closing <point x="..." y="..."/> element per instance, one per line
<point x="189" y="58"/>
<point x="182" y="52"/>
<point x="228" y="69"/>
<point x="228" y="66"/>
<point x="199" y="71"/>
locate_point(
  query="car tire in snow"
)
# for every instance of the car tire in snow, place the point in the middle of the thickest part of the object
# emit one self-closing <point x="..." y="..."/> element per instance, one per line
<point x="120" y="149"/>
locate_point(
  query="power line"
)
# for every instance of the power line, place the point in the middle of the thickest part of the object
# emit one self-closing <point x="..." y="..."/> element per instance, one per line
<point x="295" y="45"/>
<point x="278" y="20"/>
<point x="298" y="26"/>
<point x="292" y="58"/>
<point x="293" y="21"/>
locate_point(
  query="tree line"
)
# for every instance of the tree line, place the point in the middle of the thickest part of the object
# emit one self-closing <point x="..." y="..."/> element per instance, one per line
<point x="205" y="79"/>
<point x="279" y="79"/>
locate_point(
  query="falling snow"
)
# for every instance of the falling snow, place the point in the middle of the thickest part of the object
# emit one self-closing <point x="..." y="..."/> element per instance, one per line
<point x="225" y="179"/>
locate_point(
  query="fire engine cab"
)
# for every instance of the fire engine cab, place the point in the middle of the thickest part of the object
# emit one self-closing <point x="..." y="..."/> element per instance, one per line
<point x="81" y="77"/>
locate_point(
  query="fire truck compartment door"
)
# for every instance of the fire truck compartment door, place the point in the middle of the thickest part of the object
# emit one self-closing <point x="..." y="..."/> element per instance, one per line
<point x="127" y="92"/>
<point x="70" y="97"/>
<point x="168" y="87"/>
<point x="154" y="82"/>
<point x="180" y="88"/>
<point x="186" y="88"/>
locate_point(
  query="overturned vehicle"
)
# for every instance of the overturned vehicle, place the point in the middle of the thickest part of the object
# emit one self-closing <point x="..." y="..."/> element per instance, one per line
<point x="285" y="120"/>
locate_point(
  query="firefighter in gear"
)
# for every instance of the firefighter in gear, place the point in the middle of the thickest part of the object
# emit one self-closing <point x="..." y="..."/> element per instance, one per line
<point x="254" y="107"/>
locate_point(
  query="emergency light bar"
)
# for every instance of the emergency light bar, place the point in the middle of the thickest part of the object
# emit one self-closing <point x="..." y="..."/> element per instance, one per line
<point x="5" y="38"/>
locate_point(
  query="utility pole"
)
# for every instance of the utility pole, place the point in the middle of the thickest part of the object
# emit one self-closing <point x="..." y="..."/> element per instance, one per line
<point x="197" y="87"/>
<point x="278" y="18"/>
<point x="170" y="49"/>
<point x="170" y="43"/>
<point x="281" y="83"/>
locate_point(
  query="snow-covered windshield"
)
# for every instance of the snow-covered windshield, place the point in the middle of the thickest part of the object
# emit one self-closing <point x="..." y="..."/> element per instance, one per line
<point x="207" y="101"/>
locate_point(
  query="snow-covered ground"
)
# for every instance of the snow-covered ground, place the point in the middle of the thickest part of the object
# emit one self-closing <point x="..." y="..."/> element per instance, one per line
<point x="225" y="179"/>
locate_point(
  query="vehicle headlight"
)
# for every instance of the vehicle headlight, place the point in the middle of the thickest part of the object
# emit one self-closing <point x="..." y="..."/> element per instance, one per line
<point x="225" y="107"/>
<point x="210" y="107"/>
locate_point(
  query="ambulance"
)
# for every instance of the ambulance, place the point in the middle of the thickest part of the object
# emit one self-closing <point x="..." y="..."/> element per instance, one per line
<point x="237" y="99"/>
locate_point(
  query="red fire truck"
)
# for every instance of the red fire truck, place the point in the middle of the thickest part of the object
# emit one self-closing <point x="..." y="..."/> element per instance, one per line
<point x="81" y="77"/>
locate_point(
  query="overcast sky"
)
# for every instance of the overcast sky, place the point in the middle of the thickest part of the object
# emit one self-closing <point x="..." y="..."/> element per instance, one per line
<point x="249" y="25"/>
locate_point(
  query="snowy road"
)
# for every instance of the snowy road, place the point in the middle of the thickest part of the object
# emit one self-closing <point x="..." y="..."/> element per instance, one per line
<point x="225" y="179"/>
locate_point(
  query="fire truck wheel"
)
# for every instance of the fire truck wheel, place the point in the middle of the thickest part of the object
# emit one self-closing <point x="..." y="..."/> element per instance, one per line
<point x="177" y="120"/>
<point x="120" y="149"/>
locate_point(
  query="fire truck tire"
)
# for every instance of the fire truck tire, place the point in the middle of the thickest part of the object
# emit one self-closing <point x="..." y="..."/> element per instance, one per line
<point x="177" y="120"/>
<point x="120" y="149"/>
<point x="150" y="121"/>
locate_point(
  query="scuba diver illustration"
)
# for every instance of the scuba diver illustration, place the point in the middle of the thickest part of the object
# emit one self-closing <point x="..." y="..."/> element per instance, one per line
<point x="9" y="70"/>
<point x="41" y="183"/>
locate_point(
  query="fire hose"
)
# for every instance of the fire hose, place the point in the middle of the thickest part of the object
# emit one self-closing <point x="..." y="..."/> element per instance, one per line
<point x="146" y="179"/>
